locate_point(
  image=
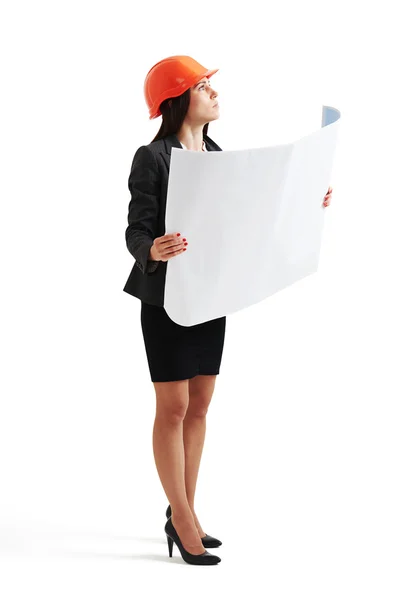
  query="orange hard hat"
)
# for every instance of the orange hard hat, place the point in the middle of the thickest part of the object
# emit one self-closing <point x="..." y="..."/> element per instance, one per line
<point x="170" y="78"/>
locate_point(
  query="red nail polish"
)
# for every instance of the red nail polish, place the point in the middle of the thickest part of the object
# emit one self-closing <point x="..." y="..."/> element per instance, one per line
<point x="178" y="234"/>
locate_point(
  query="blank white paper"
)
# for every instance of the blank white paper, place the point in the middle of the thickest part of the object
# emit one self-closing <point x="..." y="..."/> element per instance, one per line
<point x="253" y="219"/>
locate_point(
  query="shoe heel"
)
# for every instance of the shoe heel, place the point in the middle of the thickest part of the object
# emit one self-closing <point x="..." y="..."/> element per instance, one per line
<point x="170" y="544"/>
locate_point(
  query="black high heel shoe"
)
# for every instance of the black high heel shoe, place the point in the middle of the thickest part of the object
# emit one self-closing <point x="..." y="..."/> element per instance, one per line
<point x="208" y="541"/>
<point x="194" y="559"/>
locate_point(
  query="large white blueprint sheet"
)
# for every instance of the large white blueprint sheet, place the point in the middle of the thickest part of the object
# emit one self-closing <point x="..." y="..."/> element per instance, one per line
<point x="253" y="220"/>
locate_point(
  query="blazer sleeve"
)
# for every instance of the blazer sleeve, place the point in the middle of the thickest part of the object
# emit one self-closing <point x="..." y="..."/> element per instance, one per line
<point x="144" y="186"/>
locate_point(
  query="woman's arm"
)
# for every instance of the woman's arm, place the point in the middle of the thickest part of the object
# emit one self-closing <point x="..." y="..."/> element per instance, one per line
<point x="144" y="185"/>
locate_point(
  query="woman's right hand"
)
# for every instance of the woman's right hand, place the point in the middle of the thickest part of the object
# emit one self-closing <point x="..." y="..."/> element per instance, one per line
<point x="167" y="246"/>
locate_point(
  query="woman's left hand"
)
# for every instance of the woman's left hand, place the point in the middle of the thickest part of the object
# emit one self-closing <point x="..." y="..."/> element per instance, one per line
<point x="327" y="197"/>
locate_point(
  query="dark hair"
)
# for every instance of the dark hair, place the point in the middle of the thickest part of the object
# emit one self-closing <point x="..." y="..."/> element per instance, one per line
<point x="174" y="114"/>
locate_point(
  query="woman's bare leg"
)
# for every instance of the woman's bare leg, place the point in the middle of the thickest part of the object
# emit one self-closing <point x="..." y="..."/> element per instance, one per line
<point x="172" y="400"/>
<point x="201" y="389"/>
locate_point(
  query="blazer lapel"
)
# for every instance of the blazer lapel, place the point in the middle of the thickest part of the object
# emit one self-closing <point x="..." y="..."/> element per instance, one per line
<point x="170" y="141"/>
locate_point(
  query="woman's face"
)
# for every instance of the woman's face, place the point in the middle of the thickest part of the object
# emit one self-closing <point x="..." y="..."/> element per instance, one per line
<point x="203" y="99"/>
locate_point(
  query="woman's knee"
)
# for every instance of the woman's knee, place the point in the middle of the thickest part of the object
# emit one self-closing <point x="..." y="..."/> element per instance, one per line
<point x="172" y="400"/>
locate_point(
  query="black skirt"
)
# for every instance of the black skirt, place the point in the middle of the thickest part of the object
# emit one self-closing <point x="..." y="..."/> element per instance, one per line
<point x="176" y="352"/>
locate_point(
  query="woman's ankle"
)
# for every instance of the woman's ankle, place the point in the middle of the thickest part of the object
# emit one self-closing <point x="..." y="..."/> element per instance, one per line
<point x="182" y="516"/>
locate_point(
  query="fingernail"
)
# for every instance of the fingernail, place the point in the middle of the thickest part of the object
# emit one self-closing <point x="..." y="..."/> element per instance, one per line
<point x="178" y="234"/>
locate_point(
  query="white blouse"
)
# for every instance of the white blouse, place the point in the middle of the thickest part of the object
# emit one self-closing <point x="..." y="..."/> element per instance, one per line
<point x="203" y="148"/>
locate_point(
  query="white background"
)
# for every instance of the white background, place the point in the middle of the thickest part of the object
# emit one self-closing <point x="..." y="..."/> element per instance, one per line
<point x="300" y="471"/>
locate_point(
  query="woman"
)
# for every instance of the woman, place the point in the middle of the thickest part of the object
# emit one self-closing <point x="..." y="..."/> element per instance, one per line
<point x="183" y="361"/>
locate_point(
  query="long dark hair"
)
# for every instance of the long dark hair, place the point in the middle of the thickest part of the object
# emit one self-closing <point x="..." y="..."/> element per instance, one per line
<point x="173" y="111"/>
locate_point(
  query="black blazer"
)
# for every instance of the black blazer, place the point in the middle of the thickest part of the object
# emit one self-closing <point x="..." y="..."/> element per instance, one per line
<point x="148" y="184"/>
